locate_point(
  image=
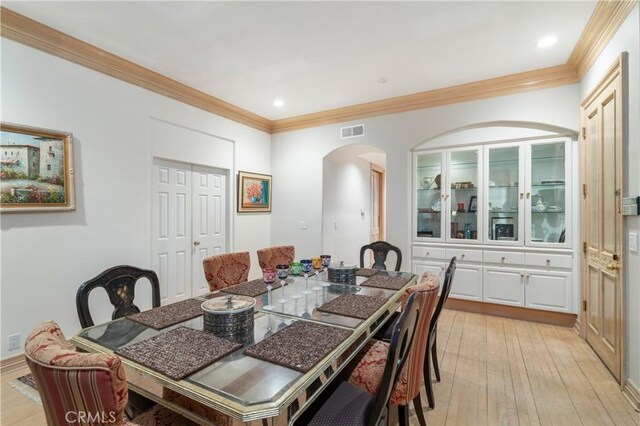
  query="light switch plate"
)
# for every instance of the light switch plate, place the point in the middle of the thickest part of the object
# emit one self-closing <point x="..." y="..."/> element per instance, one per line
<point x="633" y="242"/>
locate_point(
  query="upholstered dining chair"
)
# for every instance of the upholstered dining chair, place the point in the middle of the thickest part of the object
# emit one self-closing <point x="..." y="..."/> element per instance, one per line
<point x="381" y="250"/>
<point x="272" y="256"/>
<point x="347" y="404"/>
<point x="120" y="284"/>
<point x="433" y="333"/>
<point x="366" y="370"/>
<point x="77" y="385"/>
<point x="224" y="270"/>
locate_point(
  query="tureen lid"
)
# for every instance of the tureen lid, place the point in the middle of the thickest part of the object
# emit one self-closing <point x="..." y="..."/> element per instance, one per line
<point x="228" y="304"/>
<point x="341" y="265"/>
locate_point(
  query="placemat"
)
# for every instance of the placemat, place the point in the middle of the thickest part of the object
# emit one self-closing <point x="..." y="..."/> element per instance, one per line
<point x="299" y="346"/>
<point x="353" y="305"/>
<point x="385" y="281"/>
<point x="251" y="288"/>
<point x="164" y="316"/>
<point x="365" y="272"/>
<point x="179" y="352"/>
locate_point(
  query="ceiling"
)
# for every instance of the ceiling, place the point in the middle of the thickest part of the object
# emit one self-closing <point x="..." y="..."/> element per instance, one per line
<point x="317" y="56"/>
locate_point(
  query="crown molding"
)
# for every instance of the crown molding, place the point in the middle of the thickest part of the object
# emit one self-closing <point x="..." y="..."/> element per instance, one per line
<point x="23" y="30"/>
<point x="606" y="19"/>
<point x="505" y="85"/>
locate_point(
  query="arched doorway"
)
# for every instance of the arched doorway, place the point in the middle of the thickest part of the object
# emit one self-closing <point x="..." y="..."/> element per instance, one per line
<point x="353" y="200"/>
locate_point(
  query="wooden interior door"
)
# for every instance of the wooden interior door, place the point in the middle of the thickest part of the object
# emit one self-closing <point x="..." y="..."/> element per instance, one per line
<point x="602" y="318"/>
<point x="377" y="208"/>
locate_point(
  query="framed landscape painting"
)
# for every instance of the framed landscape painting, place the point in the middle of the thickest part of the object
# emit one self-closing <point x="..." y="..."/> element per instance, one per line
<point x="254" y="192"/>
<point x="36" y="169"/>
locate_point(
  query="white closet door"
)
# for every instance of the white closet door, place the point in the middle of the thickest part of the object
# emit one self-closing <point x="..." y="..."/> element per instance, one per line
<point x="171" y="229"/>
<point x="209" y="221"/>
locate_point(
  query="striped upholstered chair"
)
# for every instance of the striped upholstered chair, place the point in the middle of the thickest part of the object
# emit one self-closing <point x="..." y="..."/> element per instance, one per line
<point x="225" y="270"/>
<point x="367" y="368"/>
<point x="273" y="256"/>
<point x="76" y="386"/>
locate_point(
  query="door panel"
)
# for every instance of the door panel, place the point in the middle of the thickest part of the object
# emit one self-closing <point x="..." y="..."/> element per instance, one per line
<point x="171" y="219"/>
<point x="549" y="291"/>
<point x="502" y="285"/>
<point x="468" y="283"/>
<point x="209" y="221"/>
<point x="602" y="172"/>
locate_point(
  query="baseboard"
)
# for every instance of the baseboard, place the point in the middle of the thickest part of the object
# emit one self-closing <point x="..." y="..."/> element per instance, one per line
<point x="514" y="312"/>
<point x="577" y="328"/>
<point x="12" y="363"/>
<point x="632" y="393"/>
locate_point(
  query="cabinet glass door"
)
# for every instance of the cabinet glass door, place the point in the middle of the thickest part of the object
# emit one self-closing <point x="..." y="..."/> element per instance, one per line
<point x="547" y="196"/>
<point x="504" y="194"/>
<point x="464" y="181"/>
<point x="429" y="200"/>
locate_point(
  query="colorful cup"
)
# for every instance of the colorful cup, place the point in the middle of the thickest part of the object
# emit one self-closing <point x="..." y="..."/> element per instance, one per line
<point x="306" y="265"/>
<point x="326" y="260"/>
<point x="282" y="271"/>
<point x="295" y="268"/>
<point x="316" y="262"/>
<point x="269" y="275"/>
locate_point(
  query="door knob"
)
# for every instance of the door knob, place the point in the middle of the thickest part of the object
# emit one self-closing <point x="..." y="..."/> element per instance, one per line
<point x="196" y="243"/>
<point x="613" y="266"/>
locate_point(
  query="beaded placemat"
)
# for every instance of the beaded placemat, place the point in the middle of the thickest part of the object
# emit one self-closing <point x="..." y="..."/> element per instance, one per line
<point x="385" y="281"/>
<point x="251" y="288"/>
<point x="164" y="316"/>
<point x="353" y="305"/>
<point x="179" y="352"/>
<point x="366" y="272"/>
<point x="299" y="346"/>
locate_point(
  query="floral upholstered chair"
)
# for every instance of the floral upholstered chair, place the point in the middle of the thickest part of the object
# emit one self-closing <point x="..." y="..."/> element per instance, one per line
<point x="273" y="256"/>
<point x="75" y="385"/>
<point x="366" y="370"/>
<point x="225" y="270"/>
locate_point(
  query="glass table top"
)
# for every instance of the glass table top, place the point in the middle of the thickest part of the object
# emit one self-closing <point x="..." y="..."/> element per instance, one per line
<point x="244" y="379"/>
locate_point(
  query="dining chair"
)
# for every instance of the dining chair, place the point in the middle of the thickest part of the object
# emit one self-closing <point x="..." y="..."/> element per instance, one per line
<point x="272" y="256"/>
<point x="380" y="251"/>
<point x="433" y="333"/>
<point x="347" y="404"/>
<point x="367" y="368"/>
<point x="227" y="269"/>
<point x="83" y="388"/>
<point x="120" y="284"/>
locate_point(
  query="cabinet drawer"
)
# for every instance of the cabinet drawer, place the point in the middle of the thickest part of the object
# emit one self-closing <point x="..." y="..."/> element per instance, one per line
<point x="548" y="260"/>
<point x="465" y="255"/>
<point x="429" y="253"/>
<point x="504" y="257"/>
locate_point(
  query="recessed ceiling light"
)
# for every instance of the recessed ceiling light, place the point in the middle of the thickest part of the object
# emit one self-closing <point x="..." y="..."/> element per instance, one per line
<point x="382" y="80"/>
<point x="278" y="103"/>
<point x="546" y="42"/>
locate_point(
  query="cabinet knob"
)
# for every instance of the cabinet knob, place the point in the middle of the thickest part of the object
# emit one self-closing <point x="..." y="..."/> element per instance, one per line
<point x="528" y="195"/>
<point x="462" y="257"/>
<point x="428" y="253"/>
<point x="548" y="262"/>
<point x="503" y="259"/>
<point x="521" y="195"/>
<point x="196" y="243"/>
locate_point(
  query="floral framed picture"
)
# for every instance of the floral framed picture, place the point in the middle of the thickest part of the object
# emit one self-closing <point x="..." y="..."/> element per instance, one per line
<point x="254" y="192"/>
<point x="36" y="169"/>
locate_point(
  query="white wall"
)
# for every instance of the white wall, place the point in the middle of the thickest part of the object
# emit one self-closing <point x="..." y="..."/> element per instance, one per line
<point x="627" y="39"/>
<point x="346" y="190"/>
<point x="46" y="256"/>
<point x="298" y="155"/>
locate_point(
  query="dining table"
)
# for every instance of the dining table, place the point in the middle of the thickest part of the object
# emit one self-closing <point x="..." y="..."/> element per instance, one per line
<point x="243" y="388"/>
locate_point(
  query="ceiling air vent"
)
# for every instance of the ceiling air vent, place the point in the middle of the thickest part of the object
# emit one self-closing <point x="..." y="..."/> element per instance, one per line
<point x="352" y="131"/>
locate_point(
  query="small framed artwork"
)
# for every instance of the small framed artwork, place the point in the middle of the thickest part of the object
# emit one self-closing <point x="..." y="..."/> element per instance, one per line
<point x="473" y="204"/>
<point x="503" y="228"/>
<point x="36" y="169"/>
<point x="254" y="192"/>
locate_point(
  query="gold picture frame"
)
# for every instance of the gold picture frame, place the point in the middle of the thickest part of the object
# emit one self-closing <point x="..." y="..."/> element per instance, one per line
<point x="254" y="192"/>
<point x="36" y="169"/>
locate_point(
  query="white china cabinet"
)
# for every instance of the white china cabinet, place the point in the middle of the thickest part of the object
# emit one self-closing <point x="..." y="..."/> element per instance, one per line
<point x="505" y="211"/>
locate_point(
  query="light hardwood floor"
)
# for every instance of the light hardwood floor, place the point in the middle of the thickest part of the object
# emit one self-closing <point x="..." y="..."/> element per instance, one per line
<point x="495" y="371"/>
